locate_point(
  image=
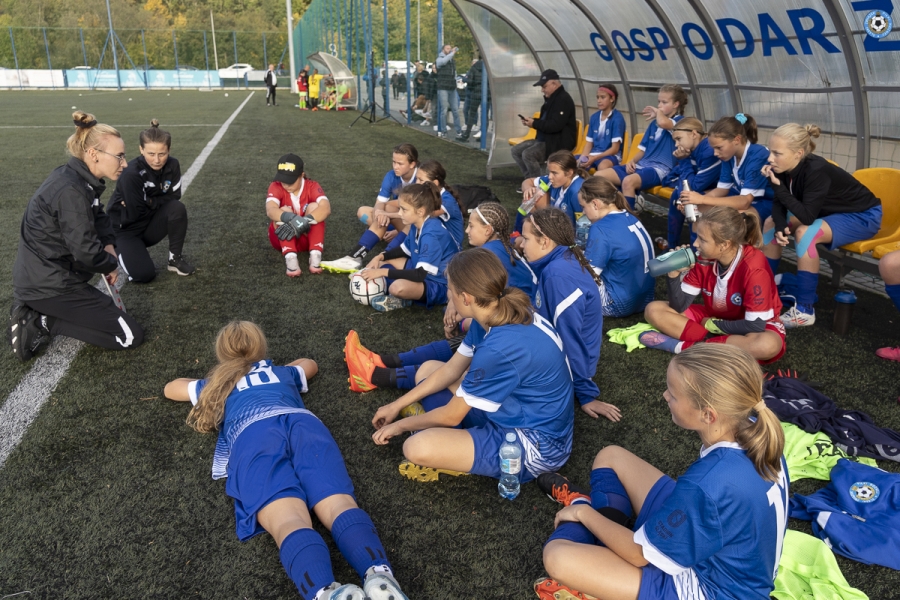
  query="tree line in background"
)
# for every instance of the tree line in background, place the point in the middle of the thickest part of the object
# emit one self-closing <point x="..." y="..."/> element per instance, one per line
<point x="249" y="31"/>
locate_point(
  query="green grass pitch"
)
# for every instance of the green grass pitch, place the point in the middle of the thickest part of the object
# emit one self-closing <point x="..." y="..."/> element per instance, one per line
<point x="109" y="494"/>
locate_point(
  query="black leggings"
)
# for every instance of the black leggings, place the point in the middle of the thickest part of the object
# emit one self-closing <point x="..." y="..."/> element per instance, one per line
<point x="91" y="316"/>
<point x="170" y="220"/>
<point x="270" y="91"/>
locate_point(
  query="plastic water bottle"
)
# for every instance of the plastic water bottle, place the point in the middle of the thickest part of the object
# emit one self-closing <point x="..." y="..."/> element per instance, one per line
<point x="582" y="228"/>
<point x="526" y="206"/>
<point x="671" y="261"/>
<point x="510" y="467"/>
<point x="843" y="311"/>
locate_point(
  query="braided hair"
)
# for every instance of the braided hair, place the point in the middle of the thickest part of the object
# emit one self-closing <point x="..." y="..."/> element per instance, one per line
<point x="493" y="214"/>
<point x="556" y="225"/>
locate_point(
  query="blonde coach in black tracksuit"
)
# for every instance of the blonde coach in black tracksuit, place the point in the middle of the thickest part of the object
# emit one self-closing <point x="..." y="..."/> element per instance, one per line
<point x="66" y="238"/>
<point x="146" y="208"/>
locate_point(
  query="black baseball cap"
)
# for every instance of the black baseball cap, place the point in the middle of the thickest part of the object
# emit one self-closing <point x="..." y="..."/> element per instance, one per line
<point x="290" y="167"/>
<point x="547" y="76"/>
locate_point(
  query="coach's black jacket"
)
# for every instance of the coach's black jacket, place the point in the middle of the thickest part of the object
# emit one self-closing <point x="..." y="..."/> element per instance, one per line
<point x="140" y="191"/>
<point x="63" y="234"/>
<point x="556" y="126"/>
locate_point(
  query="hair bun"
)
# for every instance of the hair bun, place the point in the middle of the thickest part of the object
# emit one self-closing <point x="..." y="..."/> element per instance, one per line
<point x="154" y="123"/>
<point x="813" y="130"/>
<point x="83" y="119"/>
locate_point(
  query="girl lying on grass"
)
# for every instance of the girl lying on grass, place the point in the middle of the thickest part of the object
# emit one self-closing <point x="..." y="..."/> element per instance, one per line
<point x="281" y="461"/>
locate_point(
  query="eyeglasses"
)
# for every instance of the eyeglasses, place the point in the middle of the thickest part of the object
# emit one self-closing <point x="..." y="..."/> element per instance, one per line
<point x="118" y="157"/>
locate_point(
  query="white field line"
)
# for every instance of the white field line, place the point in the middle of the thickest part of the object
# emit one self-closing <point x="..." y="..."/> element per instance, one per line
<point x="25" y="401"/>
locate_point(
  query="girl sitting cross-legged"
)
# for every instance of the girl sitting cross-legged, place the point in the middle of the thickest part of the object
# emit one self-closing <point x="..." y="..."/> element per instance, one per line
<point x="508" y="376"/>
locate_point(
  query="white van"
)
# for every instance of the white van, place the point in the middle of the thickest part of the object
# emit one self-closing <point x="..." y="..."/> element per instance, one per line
<point x="399" y="66"/>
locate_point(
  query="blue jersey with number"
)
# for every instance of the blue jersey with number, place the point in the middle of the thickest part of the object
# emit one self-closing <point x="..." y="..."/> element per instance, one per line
<point x="452" y="216"/>
<point x="266" y="391"/>
<point x="620" y="247"/>
<point x="430" y="248"/>
<point x="564" y="198"/>
<point x="569" y="298"/>
<point x="602" y="132"/>
<point x="719" y="534"/>
<point x="520" y="275"/>
<point x="519" y="376"/>
<point x="658" y="147"/>
<point x="392" y="184"/>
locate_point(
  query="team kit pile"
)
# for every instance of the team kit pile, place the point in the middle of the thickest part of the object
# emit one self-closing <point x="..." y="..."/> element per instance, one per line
<point x="523" y="312"/>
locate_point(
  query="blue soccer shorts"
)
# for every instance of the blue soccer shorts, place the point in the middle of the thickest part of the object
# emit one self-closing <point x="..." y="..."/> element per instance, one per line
<point x="287" y="456"/>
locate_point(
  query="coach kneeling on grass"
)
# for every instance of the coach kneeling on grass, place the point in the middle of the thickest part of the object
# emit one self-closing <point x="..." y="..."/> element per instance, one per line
<point x="66" y="238"/>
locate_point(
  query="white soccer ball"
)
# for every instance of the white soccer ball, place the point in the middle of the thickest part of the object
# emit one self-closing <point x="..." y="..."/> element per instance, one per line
<point x="74" y="107"/>
<point x="226" y="94"/>
<point x="363" y="291"/>
<point x="129" y="99"/>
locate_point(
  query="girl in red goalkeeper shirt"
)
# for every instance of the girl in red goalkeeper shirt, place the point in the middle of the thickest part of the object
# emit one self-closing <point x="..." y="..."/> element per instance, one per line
<point x="740" y="299"/>
<point x="297" y="208"/>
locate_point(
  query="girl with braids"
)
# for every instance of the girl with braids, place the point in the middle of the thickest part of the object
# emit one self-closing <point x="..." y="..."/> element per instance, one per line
<point x="514" y="380"/>
<point x="146" y="207"/>
<point x="740" y="300"/>
<point x="716" y="532"/>
<point x="558" y="189"/>
<point x="488" y="228"/>
<point x="281" y="463"/>
<point x="619" y="247"/>
<point x="66" y="238"/>
<point x="654" y="159"/>
<point x="742" y="184"/>
<point x="415" y="269"/>
<point x="568" y="296"/>
<point x="817" y="203"/>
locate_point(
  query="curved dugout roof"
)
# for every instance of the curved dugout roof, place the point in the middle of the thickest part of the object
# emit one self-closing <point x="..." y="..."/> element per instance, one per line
<point x="808" y="61"/>
<point x="343" y="76"/>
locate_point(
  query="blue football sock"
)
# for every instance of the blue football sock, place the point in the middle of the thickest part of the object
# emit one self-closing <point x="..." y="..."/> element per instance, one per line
<point x="659" y="341"/>
<point x="893" y="292"/>
<point x="439" y="350"/>
<point x="806" y="289"/>
<point x="436" y="400"/>
<point x="630" y="200"/>
<point x="573" y="532"/>
<point x="368" y="240"/>
<point x="395" y="243"/>
<point x="357" y="539"/>
<point x="773" y="264"/>
<point x="676" y="224"/>
<point x="607" y="490"/>
<point x="391" y="227"/>
<point x="406" y="377"/>
<point x="307" y="562"/>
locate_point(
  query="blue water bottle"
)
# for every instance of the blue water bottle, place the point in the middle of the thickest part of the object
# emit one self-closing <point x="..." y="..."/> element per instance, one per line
<point x="510" y="467"/>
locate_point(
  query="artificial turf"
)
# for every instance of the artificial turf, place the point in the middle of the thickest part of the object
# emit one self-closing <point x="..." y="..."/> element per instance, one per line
<point x="109" y="494"/>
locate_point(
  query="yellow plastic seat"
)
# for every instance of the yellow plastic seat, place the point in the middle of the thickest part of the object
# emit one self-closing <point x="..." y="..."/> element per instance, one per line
<point x="580" y="141"/>
<point x="883" y="249"/>
<point x="633" y="148"/>
<point x="532" y="133"/>
<point x="885" y="184"/>
<point x="662" y="192"/>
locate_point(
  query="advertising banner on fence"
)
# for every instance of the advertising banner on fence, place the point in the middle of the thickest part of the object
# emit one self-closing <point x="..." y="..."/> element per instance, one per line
<point x="130" y="78"/>
<point x="31" y="78"/>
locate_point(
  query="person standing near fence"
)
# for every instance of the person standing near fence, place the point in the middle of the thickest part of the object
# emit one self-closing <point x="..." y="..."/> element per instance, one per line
<point x="271" y="80"/>
<point x="448" y="97"/>
<point x="66" y="238"/>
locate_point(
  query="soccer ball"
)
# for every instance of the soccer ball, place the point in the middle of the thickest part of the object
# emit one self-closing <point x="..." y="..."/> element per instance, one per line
<point x="363" y="291"/>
